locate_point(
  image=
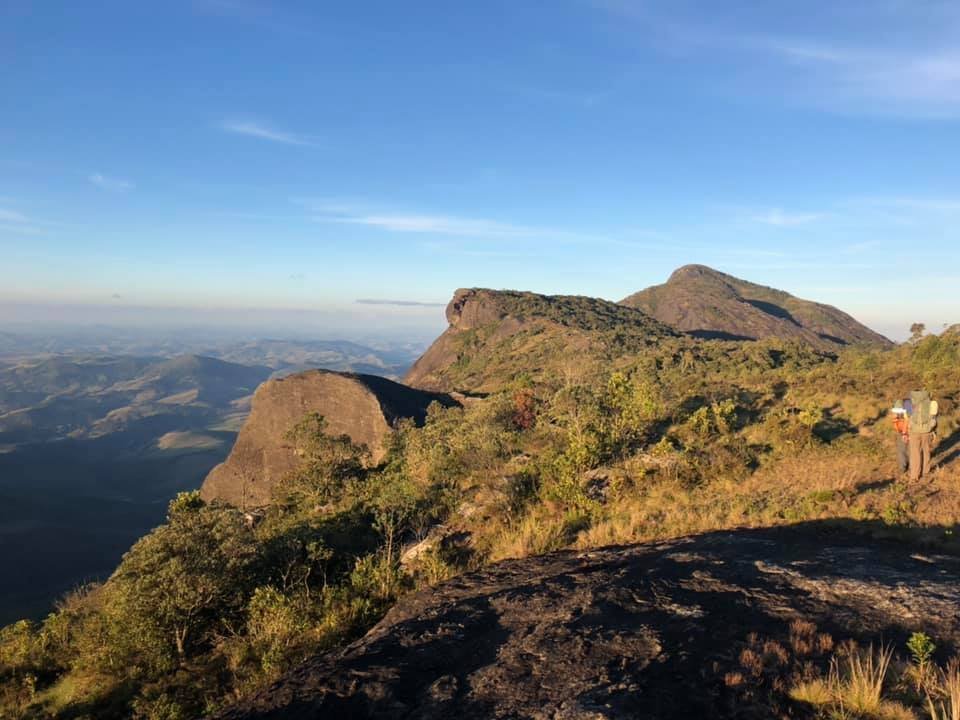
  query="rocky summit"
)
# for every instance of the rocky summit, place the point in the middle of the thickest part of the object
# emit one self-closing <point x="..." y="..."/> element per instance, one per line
<point x="495" y="335"/>
<point x="364" y="407"/>
<point x="710" y="304"/>
<point x="698" y="627"/>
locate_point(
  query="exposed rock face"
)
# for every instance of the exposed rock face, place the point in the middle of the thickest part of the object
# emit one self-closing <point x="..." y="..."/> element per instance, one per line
<point x="365" y="407"/>
<point x="710" y="304"/>
<point x="643" y="631"/>
<point x="469" y="309"/>
<point x="473" y="308"/>
<point x="490" y="325"/>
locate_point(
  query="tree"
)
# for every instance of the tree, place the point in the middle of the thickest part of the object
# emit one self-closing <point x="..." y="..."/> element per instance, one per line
<point x="395" y="502"/>
<point x="327" y="463"/>
<point x="917" y="331"/>
<point x="178" y="584"/>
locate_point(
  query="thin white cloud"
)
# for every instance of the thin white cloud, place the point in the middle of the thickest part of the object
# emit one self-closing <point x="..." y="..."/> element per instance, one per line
<point x="12" y="216"/>
<point x="13" y="222"/>
<point x="351" y="213"/>
<point x="917" y="81"/>
<point x="20" y="229"/>
<point x="778" y="218"/>
<point x="399" y="303"/>
<point x="110" y="183"/>
<point x="262" y="132"/>
<point x="892" y="58"/>
<point x="443" y="225"/>
<point x="266" y="15"/>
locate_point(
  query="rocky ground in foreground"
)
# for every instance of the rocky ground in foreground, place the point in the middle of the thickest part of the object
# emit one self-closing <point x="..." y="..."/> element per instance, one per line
<point x="654" y="630"/>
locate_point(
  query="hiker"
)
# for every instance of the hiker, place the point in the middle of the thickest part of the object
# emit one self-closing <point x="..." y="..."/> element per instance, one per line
<point x="901" y="425"/>
<point x="923" y="423"/>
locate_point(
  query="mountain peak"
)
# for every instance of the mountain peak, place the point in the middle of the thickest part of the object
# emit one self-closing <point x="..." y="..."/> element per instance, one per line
<point x="708" y="303"/>
<point x="695" y="272"/>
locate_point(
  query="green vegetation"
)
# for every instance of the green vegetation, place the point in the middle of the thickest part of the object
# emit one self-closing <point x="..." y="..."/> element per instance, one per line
<point x="610" y="446"/>
<point x="577" y="311"/>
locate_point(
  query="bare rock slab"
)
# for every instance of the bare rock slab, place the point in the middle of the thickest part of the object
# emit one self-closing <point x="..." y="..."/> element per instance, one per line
<point x="640" y="631"/>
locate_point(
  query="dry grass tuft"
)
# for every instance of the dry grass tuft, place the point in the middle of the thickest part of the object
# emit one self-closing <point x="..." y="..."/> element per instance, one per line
<point x="752" y="662"/>
<point x="803" y="637"/>
<point x="817" y="692"/>
<point x="774" y="654"/>
<point x="860" y="689"/>
<point x="734" y="679"/>
<point x="854" y="689"/>
<point x="947" y="705"/>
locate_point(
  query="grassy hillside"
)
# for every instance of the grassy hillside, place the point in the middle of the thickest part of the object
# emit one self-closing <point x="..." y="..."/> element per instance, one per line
<point x="594" y="441"/>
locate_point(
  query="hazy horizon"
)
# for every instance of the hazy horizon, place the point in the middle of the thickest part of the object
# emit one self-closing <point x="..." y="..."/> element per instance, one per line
<point x="364" y="319"/>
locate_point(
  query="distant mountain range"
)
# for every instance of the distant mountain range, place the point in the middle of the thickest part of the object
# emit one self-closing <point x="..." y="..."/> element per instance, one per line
<point x="143" y="398"/>
<point x="284" y="355"/>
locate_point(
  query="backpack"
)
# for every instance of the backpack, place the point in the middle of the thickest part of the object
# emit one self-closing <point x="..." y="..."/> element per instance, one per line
<point x="923" y="418"/>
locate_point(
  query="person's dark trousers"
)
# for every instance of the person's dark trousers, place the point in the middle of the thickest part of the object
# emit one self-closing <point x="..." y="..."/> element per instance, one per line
<point x="903" y="453"/>
<point x="921" y="448"/>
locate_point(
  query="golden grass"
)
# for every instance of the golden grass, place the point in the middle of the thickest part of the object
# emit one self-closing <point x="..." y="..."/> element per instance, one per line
<point x="947" y="704"/>
<point x="855" y="688"/>
<point x="817" y="692"/>
<point x="535" y="534"/>
<point x="860" y="689"/>
<point x="814" y="486"/>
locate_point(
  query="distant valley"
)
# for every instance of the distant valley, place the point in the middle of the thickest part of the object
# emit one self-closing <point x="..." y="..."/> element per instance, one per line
<point x="390" y="358"/>
<point x="94" y="441"/>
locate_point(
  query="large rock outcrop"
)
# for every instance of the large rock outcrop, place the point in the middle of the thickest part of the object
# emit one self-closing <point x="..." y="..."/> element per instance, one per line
<point x="496" y="334"/>
<point x="647" y="631"/>
<point x="710" y="304"/>
<point x="365" y="407"/>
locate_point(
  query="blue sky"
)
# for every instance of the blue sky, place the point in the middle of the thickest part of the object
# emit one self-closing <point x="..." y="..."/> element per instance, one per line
<point x="236" y="154"/>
